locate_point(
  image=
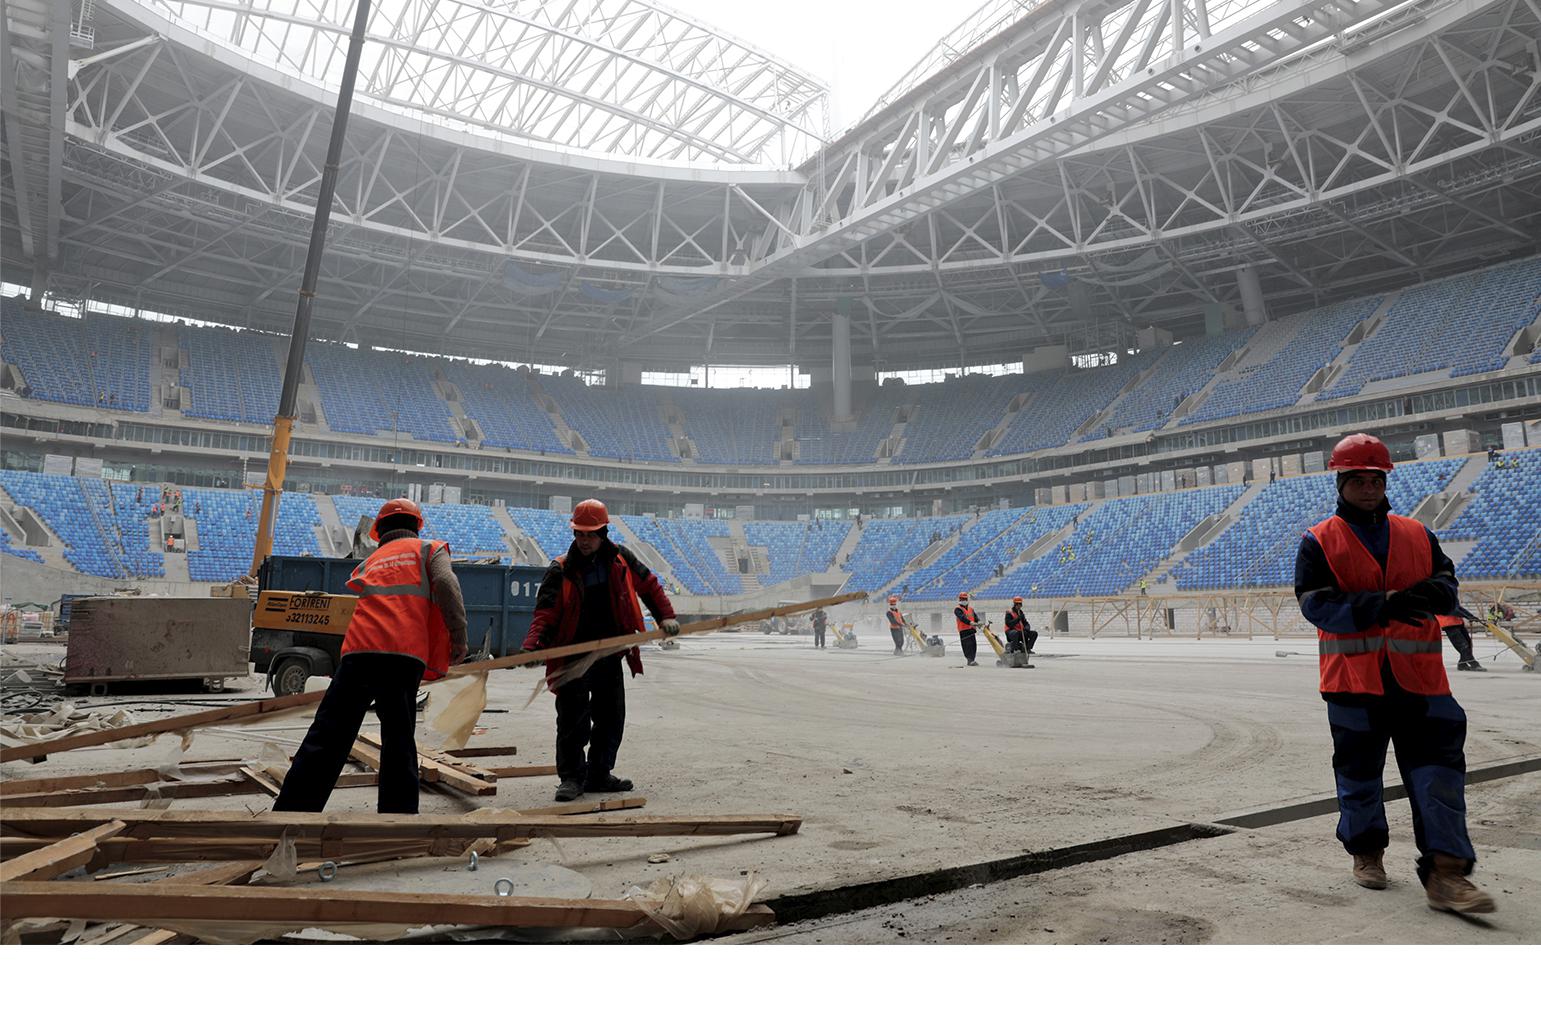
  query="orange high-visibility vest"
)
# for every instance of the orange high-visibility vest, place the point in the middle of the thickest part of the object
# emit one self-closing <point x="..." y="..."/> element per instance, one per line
<point x="1449" y="621"/>
<point x="895" y="618"/>
<point x="1352" y="662"/>
<point x="396" y="613"/>
<point x="965" y="617"/>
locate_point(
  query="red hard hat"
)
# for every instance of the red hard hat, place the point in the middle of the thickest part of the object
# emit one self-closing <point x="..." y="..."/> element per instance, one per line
<point x="590" y="515"/>
<point x="963" y="596"/>
<point x="1360" y="452"/>
<point x="396" y="508"/>
<point x="1016" y="599"/>
<point x="893" y="599"/>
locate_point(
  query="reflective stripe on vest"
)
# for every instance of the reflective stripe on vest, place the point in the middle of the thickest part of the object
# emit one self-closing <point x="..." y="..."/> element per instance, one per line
<point x="1352" y="662"/>
<point x="966" y="619"/>
<point x="395" y="612"/>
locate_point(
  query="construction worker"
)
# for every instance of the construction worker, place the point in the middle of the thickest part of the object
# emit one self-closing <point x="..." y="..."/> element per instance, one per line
<point x="1454" y="627"/>
<point x="820" y="622"/>
<point x="968" y="627"/>
<point x="409" y="625"/>
<point x="896" y="624"/>
<point x="1020" y="635"/>
<point x="592" y="592"/>
<point x="1373" y="582"/>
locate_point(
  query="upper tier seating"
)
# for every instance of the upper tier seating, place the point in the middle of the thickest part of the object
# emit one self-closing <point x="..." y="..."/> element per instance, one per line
<point x="886" y="546"/>
<point x="796" y="548"/>
<point x="1267" y="377"/>
<point x="1060" y="403"/>
<point x="230" y="376"/>
<point x="819" y="443"/>
<point x="92" y="362"/>
<point x="618" y="424"/>
<point x="950" y="417"/>
<point x="227" y="530"/>
<point x="1178" y="372"/>
<point x="368" y="392"/>
<point x="1258" y="549"/>
<point x="1505" y="517"/>
<point x="1115" y="545"/>
<point x="499" y="400"/>
<point x="684" y="544"/>
<point x="740" y="427"/>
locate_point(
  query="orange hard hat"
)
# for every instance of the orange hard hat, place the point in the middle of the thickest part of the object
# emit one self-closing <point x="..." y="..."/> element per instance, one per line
<point x="396" y="508"/>
<point x="1360" y="452"/>
<point x="1015" y="600"/>
<point x="590" y="515"/>
<point x="962" y="596"/>
<point x="893" y="599"/>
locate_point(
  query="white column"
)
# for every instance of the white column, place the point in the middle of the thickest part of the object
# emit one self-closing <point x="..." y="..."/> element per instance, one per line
<point x="1251" y="296"/>
<point x="840" y="367"/>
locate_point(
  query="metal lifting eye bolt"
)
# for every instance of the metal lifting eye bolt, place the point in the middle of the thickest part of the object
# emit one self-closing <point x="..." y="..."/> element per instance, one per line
<point x="471" y="862"/>
<point x="326" y="871"/>
<point x="504" y="887"/>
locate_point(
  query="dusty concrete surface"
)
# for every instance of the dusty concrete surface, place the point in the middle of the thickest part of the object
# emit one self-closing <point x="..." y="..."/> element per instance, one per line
<point x="901" y="765"/>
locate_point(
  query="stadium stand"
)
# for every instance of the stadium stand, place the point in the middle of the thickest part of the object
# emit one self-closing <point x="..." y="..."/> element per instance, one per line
<point x="1059" y="404"/>
<point x="1115" y="545"/>
<point x="229" y="375"/>
<point x="365" y="393"/>
<point x="796" y="548"/>
<point x="551" y="531"/>
<point x="62" y="505"/>
<point x="619" y="424"/>
<point x="1258" y="550"/>
<point x="92" y="362"/>
<point x="467" y="528"/>
<point x="226" y="523"/>
<point x="499" y="400"/>
<point x="950" y="417"/>
<point x="954" y="571"/>
<point x="685" y="544"/>
<point x="1504" y="516"/>
<point x="1271" y="375"/>
<point x="1177" y="372"/>
<point x="7" y="546"/>
<point x="886" y="546"/>
<point x="123" y="519"/>
<point x="819" y="443"/>
<point x="740" y="427"/>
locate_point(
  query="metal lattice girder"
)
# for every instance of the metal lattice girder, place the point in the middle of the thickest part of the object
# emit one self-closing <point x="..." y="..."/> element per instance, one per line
<point x="622" y="77"/>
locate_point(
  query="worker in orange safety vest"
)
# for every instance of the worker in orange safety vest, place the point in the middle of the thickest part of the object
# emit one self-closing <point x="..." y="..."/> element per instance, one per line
<point x="896" y="624"/>
<point x="968" y="627"/>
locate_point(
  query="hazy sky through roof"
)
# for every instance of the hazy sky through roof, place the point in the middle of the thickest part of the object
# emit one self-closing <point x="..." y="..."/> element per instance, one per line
<point x="859" y="47"/>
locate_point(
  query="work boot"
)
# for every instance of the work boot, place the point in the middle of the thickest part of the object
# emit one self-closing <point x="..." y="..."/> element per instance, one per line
<point x="1450" y="891"/>
<point x="1470" y="665"/>
<point x="608" y="783"/>
<point x="1369" y="870"/>
<point x="569" y="790"/>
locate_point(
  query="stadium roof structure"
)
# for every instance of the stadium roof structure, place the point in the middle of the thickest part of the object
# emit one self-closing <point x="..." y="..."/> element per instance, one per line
<point x="605" y="179"/>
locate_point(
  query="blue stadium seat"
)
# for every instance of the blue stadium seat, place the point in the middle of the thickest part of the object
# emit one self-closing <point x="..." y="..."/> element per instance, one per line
<point x="499" y="400"/>
<point x="93" y="362"/>
<point x="226" y="520"/>
<point x="683" y="542"/>
<point x="368" y="392"/>
<point x="618" y="424"/>
<point x="230" y="375"/>
<point x="796" y="548"/>
<point x="1504" y="516"/>
<point x="950" y="417"/>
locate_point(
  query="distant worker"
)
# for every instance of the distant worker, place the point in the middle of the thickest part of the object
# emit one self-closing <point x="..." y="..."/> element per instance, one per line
<point x="968" y="627"/>
<point x="896" y="624"/>
<point x="409" y="626"/>
<point x="589" y="593"/>
<point x="1020" y="636"/>
<point x="820" y="622"/>
<point x="1454" y="627"/>
<point x="1143" y="585"/>
<point x="1373" y="582"/>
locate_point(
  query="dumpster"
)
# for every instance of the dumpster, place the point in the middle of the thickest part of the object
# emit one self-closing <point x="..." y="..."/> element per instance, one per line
<point x="138" y="639"/>
<point x="303" y="608"/>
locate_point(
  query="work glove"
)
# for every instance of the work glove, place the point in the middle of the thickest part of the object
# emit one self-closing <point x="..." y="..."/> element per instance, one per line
<point x="1426" y="596"/>
<point x="1403" y="607"/>
<point x="670" y="626"/>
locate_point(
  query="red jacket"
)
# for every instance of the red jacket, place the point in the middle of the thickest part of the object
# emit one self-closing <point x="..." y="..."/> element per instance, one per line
<point x="559" y="603"/>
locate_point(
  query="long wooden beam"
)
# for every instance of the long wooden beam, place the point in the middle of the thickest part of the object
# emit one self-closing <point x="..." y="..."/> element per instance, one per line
<point x="109" y="779"/>
<point x="428" y="772"/>
<point x="61" y="857"/>
<point x="154" y="903"/>
<point x="134" y="793"/>
<point x="168" y="823"/>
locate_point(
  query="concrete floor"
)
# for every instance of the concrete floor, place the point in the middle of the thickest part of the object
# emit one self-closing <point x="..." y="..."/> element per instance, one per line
<point x="901" y="765"/>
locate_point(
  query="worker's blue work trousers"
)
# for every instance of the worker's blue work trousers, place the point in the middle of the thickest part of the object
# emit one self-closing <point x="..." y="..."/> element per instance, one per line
<point x="1429" y="733"/>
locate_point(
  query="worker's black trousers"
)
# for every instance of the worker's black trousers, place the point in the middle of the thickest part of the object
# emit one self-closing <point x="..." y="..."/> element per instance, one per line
<point x="969" y="640"/>
<point x="389" y="681"/>
<point x="1429" y="733"/>
<point x="898" y="634"/>
<point x="818" y="636"/>
<point x="1461" y="639"/>
<point x="590" y="711"/>
<point x="1014" y="640"/>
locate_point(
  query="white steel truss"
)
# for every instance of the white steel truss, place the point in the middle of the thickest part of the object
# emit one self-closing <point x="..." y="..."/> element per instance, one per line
<point x="1334" y="147"/>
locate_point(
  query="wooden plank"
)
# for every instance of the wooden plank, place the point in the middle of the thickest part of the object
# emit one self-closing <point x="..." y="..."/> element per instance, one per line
<point x="115" y="779"/>
<point x="61" y="857"/>
<point x="169" y="823"/>
<point x="114" y="875"/>
<point x="546" y="771"/>
<point x="224" y="715"/>
<point x="483" y="750"/>
<point x="235" y="872"/>
<point x="261" y="780"/>
<point x="152" y="903"/>
<point x="201" y="850"/>
<point x="135" y="793"/>
<point x="427" y="755"/>
<point x="112" y="936"/>
<point x="568" y="809"/>
<point x="428" y="772"/>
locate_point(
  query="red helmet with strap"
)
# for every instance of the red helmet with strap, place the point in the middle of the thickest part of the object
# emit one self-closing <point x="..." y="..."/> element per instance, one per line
<point x="1016" y="600"/>
<point x="397" y="508"/>
<point x="893" y="600"/>
<point x="962" y="597"/>
<point x="1360" y="452"/>
<point x="590" y="515"/>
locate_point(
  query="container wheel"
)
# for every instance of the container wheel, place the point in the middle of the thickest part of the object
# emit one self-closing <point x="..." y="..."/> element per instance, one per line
<point x="290" y="676"/>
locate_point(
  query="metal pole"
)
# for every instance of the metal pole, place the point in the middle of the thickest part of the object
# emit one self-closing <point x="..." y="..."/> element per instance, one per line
<point x="283" y="421"/>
